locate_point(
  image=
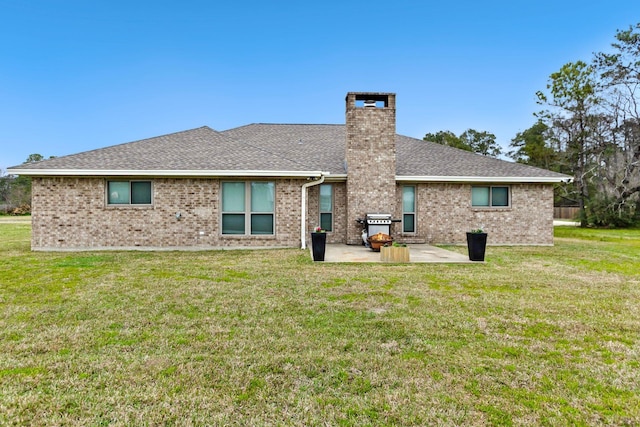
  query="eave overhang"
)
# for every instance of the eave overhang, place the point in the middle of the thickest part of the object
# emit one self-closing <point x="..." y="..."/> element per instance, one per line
<point x="486" y="179"/>
<point x="281" y="174"/>
<point x="167" y="173"/>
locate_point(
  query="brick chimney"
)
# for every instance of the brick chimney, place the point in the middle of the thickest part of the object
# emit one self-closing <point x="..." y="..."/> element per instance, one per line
<point x="371" y="157"/>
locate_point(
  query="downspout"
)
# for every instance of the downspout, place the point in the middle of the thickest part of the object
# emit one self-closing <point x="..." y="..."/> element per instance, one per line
<point x="303" y="209"/>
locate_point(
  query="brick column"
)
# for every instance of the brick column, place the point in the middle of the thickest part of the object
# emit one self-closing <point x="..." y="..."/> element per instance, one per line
<point x="371" y="157"/>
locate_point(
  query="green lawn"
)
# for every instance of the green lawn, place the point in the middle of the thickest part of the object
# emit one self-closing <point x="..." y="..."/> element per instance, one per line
<point x="537" y="335"/>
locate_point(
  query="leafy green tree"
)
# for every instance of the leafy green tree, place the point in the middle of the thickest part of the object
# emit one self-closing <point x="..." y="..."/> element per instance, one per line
<point x="445" y="137"/>
<point x="16" y="191"/>
<point x="5" y="188"/>
<point x="571" y="100"/>
<point x="470" y="140"/>
<point x="534" y="147"/>
<point x="34" y="158"/>
<point x="481" y="142"/>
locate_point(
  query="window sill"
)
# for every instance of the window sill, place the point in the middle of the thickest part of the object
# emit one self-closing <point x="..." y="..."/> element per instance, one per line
<point x="491" y="209"/>
<point x="248" y="236"/>
<point x="129" y="207"/>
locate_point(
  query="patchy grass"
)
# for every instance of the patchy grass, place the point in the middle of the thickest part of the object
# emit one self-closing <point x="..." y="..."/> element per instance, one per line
<point x="537" y="335"/>
<point x="610" y="250"/>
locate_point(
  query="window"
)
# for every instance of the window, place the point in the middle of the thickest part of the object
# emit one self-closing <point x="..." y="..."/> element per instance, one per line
<point x="129" y="192"/>
<point x="408" y="209"/>
<point x="326" y="207"/>
<point x="248" y="206"/>
<point x="490" y="196"/>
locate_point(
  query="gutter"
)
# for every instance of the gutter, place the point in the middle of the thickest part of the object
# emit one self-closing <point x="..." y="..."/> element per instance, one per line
<point x="485" y="179"/>
<point x="303" y="209"/>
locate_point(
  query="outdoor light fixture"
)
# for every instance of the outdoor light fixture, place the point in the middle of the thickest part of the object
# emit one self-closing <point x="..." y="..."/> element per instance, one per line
<point x="178" y="215"/>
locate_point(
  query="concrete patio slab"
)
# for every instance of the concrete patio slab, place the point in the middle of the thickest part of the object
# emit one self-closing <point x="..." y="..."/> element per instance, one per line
<point x="417" y="254"/>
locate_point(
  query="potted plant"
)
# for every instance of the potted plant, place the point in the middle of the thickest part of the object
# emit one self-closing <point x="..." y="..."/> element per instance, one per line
<point x="318" y="243"/>
<point x="476" y="244"/>
<point x="379" y="240"/>
<point x="396" y="252"/>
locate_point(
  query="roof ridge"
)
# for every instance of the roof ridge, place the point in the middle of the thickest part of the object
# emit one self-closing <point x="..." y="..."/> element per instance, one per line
<point x="283" y="124"/>
<point x="205" y="127"/>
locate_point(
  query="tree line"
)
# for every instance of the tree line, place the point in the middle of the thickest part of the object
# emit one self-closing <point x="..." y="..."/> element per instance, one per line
<point x="15" y="191"/>
<point x="588" y="127"/>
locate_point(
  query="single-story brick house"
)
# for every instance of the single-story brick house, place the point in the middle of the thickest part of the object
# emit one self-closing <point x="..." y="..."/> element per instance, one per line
<point x="270" y="185"/>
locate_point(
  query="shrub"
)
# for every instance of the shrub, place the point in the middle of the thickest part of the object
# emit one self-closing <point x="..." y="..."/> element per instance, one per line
<point x="602" y="212"/>
<point x="24" y="209"/>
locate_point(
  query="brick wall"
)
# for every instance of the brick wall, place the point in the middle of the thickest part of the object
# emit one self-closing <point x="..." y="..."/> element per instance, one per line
<point x="444" y="215"/>
<point x="339" y="233"/>
<point x="72" y="213"/>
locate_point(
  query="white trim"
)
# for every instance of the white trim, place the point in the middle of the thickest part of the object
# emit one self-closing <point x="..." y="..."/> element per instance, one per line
<point x="165" y="172"/>
<point x="333" y="205"/>
<point x="248" y="212"/>
<point x="413" y="212"/>
<point x="127" y="205"/>
<point x="336" y="177"/>
<point x="303" y="210"/>
<point x="484" y="179"/>
<point x="276" y="174"/>
<point x="491" y="206"/>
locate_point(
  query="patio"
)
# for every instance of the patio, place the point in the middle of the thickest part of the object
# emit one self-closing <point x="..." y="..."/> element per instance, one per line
<point x="419" y="253"/>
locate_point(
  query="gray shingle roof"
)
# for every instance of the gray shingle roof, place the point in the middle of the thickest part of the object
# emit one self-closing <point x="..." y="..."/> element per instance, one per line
<point x="276" y="147"/>
<point x="321" y="147"/>
<point x="201" y="149"/>
<point x="416" y="157"/>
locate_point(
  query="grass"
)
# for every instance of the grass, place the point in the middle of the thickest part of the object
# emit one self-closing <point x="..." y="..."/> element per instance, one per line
<point x="537" y="335"/>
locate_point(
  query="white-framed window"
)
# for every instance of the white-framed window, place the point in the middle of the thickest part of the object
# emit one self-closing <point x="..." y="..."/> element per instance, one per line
<point x="129" y="193"/>
<point x="409" y="209"/>
<point x="496" y="196"/>
<point x="326" y="207"/>
<point x="248" y="208"/>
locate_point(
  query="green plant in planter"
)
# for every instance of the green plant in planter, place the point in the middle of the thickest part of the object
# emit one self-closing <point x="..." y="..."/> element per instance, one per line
<point x="394" y="252"/>
<point x="476" y="244"/>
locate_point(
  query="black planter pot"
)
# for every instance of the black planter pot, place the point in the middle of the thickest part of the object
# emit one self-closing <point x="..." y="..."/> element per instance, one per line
<point x="476" y="244"/>
<point x="318" y="244"/>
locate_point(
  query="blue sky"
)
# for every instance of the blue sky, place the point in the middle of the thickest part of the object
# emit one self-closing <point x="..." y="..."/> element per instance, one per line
<point x="77" y="75"/>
